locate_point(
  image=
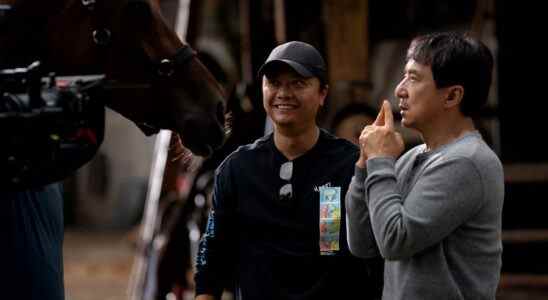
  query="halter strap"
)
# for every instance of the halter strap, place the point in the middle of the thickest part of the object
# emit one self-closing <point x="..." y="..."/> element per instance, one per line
<point x="167" y="66"/>
<point x="162" y="69"/>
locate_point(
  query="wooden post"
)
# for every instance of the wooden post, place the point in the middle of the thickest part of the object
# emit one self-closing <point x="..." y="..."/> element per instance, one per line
<point x="245" y="42"/>
<point x="279" y="21"/>
<point x="347" y="45"/>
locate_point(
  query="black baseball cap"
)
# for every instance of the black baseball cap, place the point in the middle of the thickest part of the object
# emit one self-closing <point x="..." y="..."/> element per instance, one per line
<point x="300" y="56"/>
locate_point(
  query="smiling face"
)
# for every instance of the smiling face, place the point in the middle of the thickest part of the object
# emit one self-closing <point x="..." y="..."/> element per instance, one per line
<point x="290" y="100"/>
<point x="421" y="102"/>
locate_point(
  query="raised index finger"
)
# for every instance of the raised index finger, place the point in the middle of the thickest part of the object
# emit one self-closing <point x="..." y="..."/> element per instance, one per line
<point x="379" y="121"/>
<point x="388" y="116"/>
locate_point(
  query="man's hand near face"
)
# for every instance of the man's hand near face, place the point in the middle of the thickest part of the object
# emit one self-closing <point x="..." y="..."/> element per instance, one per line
<point x="380" y="139"/>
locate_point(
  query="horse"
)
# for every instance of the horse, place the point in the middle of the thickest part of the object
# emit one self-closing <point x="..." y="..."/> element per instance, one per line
<point x="154" y="79"/>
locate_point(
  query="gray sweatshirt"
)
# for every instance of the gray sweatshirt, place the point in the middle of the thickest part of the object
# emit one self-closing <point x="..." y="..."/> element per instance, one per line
<point x="436" y="218"/>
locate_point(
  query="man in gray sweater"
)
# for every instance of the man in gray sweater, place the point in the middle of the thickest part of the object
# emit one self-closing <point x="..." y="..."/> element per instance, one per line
<point x="434" y="213"/>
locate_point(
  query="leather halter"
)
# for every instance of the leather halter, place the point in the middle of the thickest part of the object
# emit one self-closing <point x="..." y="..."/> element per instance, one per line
<point x="167" y="66"/>
<point x="164" y="68"/>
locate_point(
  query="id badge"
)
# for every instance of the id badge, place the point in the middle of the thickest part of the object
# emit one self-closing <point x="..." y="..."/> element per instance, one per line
<point x="330" y="219"/>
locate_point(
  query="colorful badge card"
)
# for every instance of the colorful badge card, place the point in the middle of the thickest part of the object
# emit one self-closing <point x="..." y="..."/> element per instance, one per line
<point x="330" y="219"/>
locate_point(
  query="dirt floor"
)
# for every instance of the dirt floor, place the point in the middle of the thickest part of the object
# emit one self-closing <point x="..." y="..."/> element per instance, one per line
<point x="98" y="265"/>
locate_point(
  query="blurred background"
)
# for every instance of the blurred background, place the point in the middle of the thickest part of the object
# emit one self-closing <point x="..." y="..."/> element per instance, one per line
<point x="364" y="43"/>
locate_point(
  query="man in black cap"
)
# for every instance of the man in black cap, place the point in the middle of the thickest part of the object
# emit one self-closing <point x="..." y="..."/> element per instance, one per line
<point x="275" y="230"/>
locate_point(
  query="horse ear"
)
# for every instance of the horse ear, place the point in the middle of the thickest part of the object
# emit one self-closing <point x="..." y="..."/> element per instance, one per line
<point x="138" y="14"/>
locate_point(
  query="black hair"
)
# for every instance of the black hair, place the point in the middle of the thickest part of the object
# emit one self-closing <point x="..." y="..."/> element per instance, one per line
<point x="456" y="59"/>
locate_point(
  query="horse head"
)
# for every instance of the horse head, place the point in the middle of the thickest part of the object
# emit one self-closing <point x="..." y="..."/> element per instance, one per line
<point x="154" y="79"/>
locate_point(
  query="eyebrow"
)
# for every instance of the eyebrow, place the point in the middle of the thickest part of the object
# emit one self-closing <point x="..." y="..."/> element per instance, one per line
<point x="412" y="71"/>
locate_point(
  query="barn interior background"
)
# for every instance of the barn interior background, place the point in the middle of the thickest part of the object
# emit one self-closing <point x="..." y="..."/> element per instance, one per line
<point x="364" y="43"/>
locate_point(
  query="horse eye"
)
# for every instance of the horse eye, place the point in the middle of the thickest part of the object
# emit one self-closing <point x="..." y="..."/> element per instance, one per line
<point x="139" y="12"/>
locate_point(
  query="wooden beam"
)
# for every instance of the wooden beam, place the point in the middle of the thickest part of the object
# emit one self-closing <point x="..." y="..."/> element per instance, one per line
<point x="245" y="42"/>
<point x="347" y="47"/>
<point x="279" y="21"/>
<point x="531" y="281"/>
<point x="347" y="40"/>
<point x="526" y="172"/>
<point x="517" y="236"/>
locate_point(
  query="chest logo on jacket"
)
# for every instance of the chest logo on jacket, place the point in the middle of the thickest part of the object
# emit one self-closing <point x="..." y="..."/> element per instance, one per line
<point x="318" y="188"/>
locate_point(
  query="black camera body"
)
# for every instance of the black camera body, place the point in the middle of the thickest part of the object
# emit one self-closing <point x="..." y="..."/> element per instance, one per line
<point x="49" y="126"/>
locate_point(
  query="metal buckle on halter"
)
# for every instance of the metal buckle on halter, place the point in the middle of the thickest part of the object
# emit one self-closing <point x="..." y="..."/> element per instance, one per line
<point x="166" y="67"/>
<point x="101" y="36"/>
<point x="89" y="4"/>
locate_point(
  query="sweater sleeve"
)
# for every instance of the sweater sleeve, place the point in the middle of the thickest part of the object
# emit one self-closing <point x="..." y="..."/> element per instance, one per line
<point x="445" y="196"/>
<point x="358" y="229"/>
<point x="215" y="261"/>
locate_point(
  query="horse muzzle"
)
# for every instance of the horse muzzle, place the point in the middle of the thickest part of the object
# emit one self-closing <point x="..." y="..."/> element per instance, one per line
<point x="202" y="135"/>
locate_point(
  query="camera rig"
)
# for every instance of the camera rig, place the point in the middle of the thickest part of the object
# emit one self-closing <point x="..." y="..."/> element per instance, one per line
<point x="49" y="126"/>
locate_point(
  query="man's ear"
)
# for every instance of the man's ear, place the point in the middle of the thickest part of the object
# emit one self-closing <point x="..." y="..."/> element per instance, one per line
<point x="454" y="96"/>
<point x="324" y="91"/>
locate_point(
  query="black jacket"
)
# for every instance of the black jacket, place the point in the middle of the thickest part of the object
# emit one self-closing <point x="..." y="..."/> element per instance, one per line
<point x="269" y="249"/>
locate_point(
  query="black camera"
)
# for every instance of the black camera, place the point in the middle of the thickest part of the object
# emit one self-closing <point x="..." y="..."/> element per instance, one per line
<point x="50" y="126"/>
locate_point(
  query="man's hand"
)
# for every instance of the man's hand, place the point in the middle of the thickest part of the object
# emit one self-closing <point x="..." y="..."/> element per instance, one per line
<point x="362" y="159"/>
<point x="380" y="138"/>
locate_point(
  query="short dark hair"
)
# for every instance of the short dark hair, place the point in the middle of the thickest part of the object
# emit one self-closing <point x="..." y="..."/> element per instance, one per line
<point x="456" y="59"/>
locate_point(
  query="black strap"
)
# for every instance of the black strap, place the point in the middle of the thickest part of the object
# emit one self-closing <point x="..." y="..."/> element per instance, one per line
<point x="183" y="55"/>
<point x="166" y="67"/>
